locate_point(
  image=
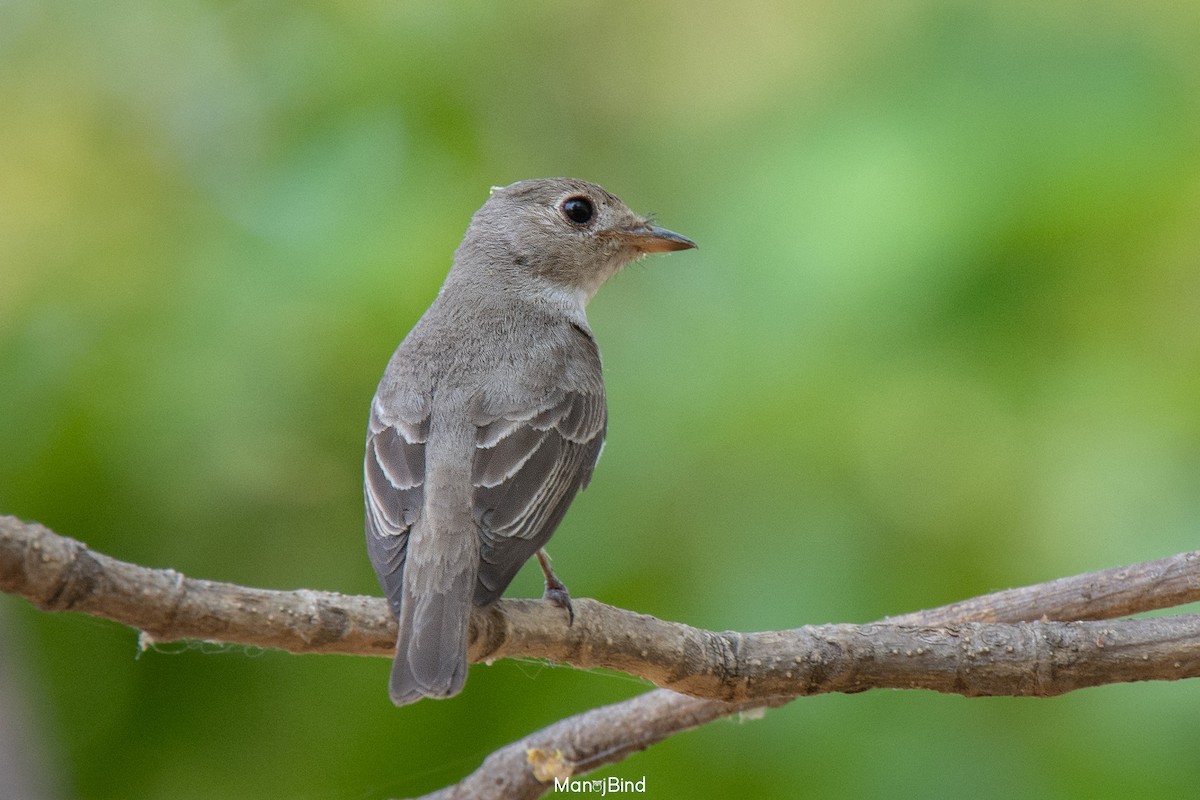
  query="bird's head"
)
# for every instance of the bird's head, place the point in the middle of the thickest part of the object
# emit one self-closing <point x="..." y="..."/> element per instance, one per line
<point x="568" y="234"/>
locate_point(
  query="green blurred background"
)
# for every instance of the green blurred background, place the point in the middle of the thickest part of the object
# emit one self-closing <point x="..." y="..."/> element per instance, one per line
<point x="940" y="337"/>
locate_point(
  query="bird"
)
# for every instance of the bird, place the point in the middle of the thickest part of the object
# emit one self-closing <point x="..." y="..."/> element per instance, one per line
<point x="491" y="415"/>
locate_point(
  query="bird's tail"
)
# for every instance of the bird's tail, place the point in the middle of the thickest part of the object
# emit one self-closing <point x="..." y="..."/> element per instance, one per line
<point x="431" y="651"/>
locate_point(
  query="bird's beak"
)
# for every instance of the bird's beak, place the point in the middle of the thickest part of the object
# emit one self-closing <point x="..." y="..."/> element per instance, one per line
<point x="652" y="239"/>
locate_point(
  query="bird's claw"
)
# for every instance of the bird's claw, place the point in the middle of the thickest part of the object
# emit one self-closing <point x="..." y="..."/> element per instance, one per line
<point x="559" y="596"/>
<point x="556" y="591"/>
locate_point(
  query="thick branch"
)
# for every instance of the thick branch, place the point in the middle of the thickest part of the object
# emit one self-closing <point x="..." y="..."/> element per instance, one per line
<point x="527" y="768"/>
<point x="60" y="574"/>
<point x="656" y="715"/>
<point x="1003" y="643"/>
<point x="1113" y="592"/>
<point x="1020" y="659"/>
<point x="1032" y="658"/>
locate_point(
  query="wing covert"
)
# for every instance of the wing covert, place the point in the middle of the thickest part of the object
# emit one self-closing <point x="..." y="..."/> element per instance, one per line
<point x="528" y="467"/>
<point x="394" y="491"/>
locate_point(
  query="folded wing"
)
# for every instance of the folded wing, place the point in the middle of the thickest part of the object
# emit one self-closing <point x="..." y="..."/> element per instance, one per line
<point x="394" y="494"/>
<point x="529" y="464"/>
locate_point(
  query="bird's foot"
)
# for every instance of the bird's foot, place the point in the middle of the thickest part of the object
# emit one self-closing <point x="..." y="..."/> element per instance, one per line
<point x="556" y="591"/>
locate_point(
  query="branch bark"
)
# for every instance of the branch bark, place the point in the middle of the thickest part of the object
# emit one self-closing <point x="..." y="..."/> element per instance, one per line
<point x="528" y="768"/>
<point x="583" y="740"/>
<point x="1013" y="642"/>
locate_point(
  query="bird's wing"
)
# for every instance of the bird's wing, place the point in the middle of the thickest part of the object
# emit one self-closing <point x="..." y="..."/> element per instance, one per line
<point x="529" y="464"/>
<point x="394" y="489"/>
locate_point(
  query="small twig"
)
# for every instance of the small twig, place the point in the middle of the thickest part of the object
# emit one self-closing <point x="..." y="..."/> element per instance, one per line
<point x="1107" y="594"/>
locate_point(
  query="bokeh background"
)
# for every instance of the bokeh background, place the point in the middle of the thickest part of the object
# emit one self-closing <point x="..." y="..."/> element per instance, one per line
<point x="941" y="337"/>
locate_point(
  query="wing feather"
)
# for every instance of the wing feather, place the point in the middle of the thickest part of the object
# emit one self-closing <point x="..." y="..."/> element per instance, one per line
<point x="394" y="492"/>
<point x="529" y="465"/>
<point x="500" y="462"/>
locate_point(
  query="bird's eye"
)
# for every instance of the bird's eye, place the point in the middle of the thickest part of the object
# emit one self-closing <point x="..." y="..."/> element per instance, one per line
<point x="578" y="209"/>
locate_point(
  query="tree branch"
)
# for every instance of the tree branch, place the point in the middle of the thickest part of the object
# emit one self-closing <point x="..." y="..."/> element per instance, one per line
<point x="584" y="741"/>
<point x="575" y="745"/>
<point x="1115" y="592"/>
<point x="60" y="574"/>
<point x="1004" y="643"/>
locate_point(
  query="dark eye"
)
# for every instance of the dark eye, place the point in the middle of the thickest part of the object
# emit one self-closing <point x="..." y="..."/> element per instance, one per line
<point x="578" y="209"/>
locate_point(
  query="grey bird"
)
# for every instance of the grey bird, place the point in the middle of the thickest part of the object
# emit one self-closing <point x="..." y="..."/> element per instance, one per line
<point x="490" y="416"/>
